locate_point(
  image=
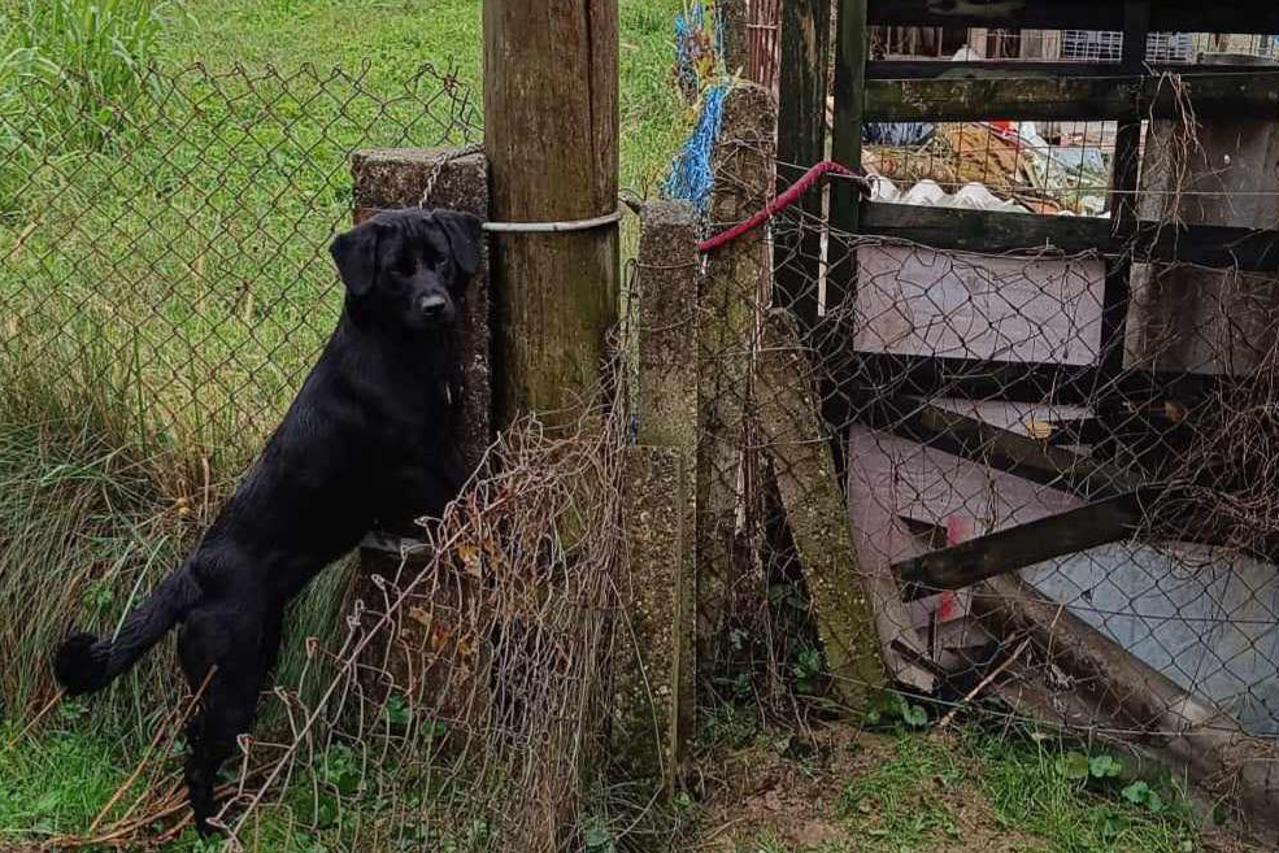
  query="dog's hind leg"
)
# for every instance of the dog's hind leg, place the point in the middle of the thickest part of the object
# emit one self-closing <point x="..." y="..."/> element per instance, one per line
<point x="230" y="650"/>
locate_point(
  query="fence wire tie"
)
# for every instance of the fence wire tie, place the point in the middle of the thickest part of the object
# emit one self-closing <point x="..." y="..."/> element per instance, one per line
<point x="552" y="227"/>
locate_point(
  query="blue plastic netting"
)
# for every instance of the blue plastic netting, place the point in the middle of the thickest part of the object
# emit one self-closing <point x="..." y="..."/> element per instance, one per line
<point x="690" y="178"/>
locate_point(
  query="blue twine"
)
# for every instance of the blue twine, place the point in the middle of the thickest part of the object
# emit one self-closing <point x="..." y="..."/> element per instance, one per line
<point x="691" y="179"/>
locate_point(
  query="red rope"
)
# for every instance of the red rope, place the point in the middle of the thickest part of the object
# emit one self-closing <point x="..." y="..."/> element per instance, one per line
<point x="783" y="201"/>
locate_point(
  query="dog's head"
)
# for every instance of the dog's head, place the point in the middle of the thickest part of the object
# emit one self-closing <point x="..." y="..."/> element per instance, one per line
<point x="410" y="267"/>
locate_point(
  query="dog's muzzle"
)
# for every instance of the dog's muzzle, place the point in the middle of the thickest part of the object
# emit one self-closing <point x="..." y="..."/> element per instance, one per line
<point x="432" y="307"/>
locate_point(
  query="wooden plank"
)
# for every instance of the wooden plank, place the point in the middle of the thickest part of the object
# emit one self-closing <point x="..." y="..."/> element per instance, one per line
<point x="985" y="231"/>
<point x="959" y="566"/>
<point x="932" y="69"/>
<point x="997" y="232"/>
<point x="851" y="51"/>
<point x="816" y="513"/>
<point x="1186" y="16"/>
<point x="889" y="374"/>
<point x="801" y="142"/>
<point x="550" y="76"/>
<point x="1119" y="96"/>
<point x="1225" y="246"/>
<point x="1122" y="200"/>
<point x="1000" y="449"/>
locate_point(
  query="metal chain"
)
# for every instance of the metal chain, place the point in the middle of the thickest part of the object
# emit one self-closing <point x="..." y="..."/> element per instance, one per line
<point x="440" y="162"/>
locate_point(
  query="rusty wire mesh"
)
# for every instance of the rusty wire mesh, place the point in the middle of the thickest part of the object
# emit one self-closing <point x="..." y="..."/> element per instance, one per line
<point x="470" y="696"/>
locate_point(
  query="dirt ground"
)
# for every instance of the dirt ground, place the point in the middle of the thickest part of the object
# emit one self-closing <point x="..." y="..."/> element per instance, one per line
<point x="765" y="798"/>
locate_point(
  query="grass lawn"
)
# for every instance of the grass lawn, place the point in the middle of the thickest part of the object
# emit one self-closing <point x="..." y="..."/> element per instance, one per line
<point x="394" y="34"/>
<point x="969" y="790"/>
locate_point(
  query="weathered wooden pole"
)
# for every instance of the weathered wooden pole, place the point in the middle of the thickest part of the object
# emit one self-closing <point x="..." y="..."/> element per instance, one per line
<point x="551" y="125"/>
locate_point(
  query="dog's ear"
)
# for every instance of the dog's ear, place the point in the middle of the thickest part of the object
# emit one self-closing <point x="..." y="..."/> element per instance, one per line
<point x="356" y="255"/>
<point x="464" y="235"/>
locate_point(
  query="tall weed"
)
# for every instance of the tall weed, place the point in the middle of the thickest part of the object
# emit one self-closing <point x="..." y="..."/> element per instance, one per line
<point x="71" y="72"/>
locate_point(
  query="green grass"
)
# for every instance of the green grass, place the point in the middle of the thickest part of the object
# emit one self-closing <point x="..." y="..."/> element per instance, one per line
<point x="170" y="176"/>
<point x="973" y="789"/>
<point x="912" y="800"/>
<point x="1027" y="787"/>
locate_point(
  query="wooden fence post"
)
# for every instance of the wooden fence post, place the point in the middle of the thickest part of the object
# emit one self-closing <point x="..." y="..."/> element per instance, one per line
<point x="551" y="125"/>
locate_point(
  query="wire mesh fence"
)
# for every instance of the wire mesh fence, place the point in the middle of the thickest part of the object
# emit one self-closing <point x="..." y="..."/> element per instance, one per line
<point x="167" y="244"/>
<point x="1060" y="502"/>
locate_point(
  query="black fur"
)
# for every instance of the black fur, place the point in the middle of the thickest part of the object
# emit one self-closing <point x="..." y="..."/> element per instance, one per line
<point x="369" y="441"/>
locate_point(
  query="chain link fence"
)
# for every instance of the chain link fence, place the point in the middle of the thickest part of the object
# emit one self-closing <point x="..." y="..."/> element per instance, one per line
<point x="1061" y="503"/>
<point x="167" y="245"/>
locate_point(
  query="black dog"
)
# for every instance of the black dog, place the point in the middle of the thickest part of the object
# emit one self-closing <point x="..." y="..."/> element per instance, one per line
<point x="369" y="441"/>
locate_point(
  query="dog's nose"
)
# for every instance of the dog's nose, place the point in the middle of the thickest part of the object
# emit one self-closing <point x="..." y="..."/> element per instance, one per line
<point x="432" y="306"/>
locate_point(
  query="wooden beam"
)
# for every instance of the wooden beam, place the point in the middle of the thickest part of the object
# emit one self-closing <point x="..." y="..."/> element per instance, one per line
<point x="962" y="565"/>
<point x="1185" y="16"/>
<point x="986" y="231"/>
<point x="943" y="69"/>
<point x="844" y="597"/>
<point x="857" y="374"/>
<point x="1122" y="200"/>
<point x="801" y="142"/>
<point x="994" y="232"/>
<point x="550" y="97"/>
<point x="1001" y="449"/>
<point x="1120" y="96"/>
<point x="851" y="50"/>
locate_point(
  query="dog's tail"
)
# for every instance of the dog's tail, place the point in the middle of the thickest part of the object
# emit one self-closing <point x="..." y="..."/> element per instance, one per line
<point x="85" y="664"/>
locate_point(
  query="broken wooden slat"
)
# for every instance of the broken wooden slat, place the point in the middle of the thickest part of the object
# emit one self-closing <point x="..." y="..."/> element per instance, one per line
<point x="962" y="565"/>
<point x="843" y="598"/>
<point x="977" y="441"/>
<point x="1204" y="740"/>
